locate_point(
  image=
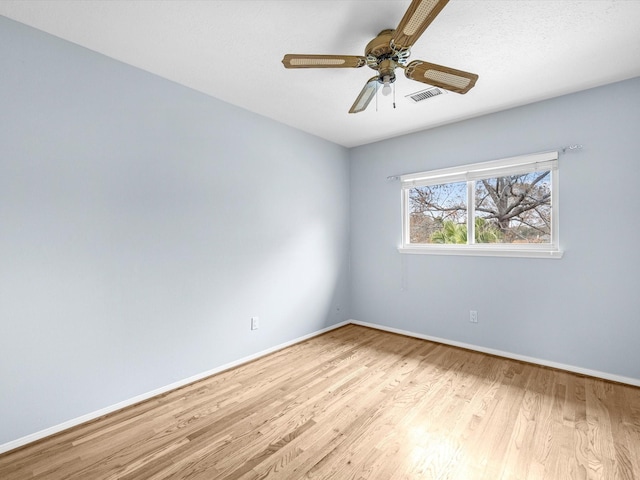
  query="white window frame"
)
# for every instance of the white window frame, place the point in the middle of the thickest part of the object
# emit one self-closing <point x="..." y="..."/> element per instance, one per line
<point x="478" y="171"/>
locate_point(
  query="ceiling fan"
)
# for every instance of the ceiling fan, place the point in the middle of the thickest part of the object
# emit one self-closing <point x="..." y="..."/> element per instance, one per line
<point x="391" y="50"/>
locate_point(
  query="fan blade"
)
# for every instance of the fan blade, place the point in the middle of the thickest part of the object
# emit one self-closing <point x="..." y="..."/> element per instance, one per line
<point x="365" y="96"/>
<point x="416" y="19"/>
<point x="323" y="61"/>
<point x="439" y="76"/>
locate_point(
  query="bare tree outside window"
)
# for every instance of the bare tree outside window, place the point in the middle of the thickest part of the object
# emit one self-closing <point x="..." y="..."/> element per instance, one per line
<point x="518" y="205"/>
<point x="508" y="209"/>
<point x="502" y="208"/>
<point x="431" y="206"/>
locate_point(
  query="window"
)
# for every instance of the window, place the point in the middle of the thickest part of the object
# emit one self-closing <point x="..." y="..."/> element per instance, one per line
<point x="505" y="207"/>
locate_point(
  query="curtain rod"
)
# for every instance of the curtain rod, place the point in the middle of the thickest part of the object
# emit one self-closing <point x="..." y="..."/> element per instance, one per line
<point x="560" y="150"/>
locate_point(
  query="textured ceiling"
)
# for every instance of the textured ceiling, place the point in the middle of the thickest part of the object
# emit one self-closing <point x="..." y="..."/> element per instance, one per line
<point x="523" y="51"/>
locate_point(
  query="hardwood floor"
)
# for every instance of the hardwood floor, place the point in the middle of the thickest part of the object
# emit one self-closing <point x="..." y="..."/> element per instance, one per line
<point x="357" y="403"/>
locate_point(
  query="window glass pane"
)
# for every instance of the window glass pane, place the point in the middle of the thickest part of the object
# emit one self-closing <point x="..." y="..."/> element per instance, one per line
<point x="438" y="213"/>
<point x="514" y="209"/>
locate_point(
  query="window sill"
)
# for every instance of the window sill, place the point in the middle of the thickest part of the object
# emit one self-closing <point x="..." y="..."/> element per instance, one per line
<point x="483" y="252"/>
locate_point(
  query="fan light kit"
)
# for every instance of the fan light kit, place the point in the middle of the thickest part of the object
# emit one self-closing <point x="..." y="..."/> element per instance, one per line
<point x="391" y="50"/>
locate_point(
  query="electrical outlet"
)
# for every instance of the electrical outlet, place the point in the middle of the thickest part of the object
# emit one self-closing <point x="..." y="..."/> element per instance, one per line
<point x="255" y="323"/>
<point x="473" y="316"/>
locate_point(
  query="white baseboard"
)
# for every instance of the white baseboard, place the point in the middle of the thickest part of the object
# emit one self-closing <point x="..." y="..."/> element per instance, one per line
<point x="158" y="391"/>
<point x="546" y="363"/>
<point x="181" y="383"/>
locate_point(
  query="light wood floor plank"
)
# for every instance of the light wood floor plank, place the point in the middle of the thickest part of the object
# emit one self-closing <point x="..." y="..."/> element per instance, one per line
<point x="357" y="403"/>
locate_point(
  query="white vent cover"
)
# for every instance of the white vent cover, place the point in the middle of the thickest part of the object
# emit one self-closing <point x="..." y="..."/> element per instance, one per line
<point x="426" y="94"/>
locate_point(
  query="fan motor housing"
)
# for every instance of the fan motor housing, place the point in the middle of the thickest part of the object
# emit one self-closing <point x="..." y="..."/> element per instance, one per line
<point x="381" y="45"/>
<point x="383" y="58"/>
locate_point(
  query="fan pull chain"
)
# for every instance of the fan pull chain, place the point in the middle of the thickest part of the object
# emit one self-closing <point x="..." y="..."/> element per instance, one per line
<point x="394" y="95"/>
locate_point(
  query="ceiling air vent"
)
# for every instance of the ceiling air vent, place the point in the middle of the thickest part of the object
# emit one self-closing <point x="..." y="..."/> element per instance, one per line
<point x="426" y="94"/>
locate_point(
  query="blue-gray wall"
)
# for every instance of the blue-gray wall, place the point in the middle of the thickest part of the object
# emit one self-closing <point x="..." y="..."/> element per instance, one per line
<point x="582" y="310"/>
<point x="142" y="225"/>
